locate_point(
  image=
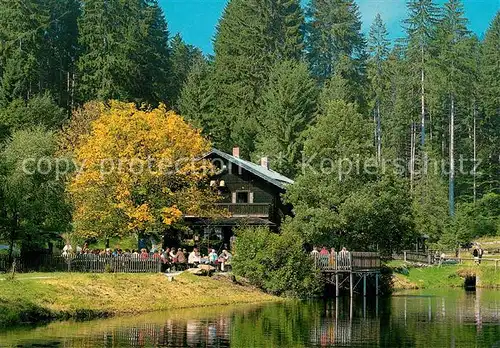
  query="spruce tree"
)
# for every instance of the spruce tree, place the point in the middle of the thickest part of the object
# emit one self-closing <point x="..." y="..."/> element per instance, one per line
<point x="288" y="108"/>
<point x="153" y="65"/>
<point x="61" y="49"/>
<point x="197" y="103"/>
<point x="124" y="51"/>
<point x="252" y="35"/>
<point x="420" y="26"/>
<point x="452" y="32"/>
<point x="490" y="101"/>
<point x="103" y="64"/>
<point x="378" y="46"/>
<point x="22" y="27"/>
<point x="334" y="30"/>
<point x="182" y="59"/>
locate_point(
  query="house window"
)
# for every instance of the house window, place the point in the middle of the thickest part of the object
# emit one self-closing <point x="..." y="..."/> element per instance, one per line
<point x="242" y="197"/>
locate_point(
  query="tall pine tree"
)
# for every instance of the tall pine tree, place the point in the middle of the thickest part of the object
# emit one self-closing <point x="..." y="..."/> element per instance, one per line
<point x="182" y="59"/>
<point x="288" y="108"/>
<point x="490" y="100"/>
<point x="23" y="24"/>
<point x="334" y="30"/>
<point x="378" y="46"/>
<point x="124" y="51"/>
<point x="420" y="26"/>
<point x="452" y="31"/>
<point x="252" y="35"/>
<point x="61" y="49"/>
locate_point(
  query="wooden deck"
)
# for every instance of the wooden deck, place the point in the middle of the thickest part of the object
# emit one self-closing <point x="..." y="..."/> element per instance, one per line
<point x="352" y="267"/>
<point x="348" y="262"/>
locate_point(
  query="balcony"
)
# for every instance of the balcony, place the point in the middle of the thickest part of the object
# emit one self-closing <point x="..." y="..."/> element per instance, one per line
<point x="260" y="210"/>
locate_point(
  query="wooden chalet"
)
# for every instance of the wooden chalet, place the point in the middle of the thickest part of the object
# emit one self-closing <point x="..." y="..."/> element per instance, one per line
<point x="251" y="194"/>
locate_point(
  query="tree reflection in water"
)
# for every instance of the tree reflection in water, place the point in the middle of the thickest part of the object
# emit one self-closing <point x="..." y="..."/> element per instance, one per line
<point x="455" y="318"/>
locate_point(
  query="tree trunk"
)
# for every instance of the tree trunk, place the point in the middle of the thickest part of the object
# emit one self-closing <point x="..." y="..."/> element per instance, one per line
<point x="422" y="99"/>
<point x="452" y="158"/>
<point x="412" y="155"/>
<point x="474" y="150"/>
<point x="12" y="238"/>
<point x="379" y="133"/>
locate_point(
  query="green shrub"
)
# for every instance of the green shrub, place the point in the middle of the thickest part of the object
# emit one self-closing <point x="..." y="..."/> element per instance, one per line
<point x="275" y="262"/>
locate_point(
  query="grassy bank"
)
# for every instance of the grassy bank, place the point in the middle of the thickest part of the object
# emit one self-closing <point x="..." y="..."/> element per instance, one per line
<point x="38" y="297"/>
<point x="406" y="277"/>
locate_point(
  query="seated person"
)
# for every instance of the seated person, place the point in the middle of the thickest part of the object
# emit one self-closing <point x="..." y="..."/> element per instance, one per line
<point x="181" y="258"/>
<point x="194" y="257"/>
<point x="212" y="257"/>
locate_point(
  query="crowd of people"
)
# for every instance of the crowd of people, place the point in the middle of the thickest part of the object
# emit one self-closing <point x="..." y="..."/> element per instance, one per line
<point x="325" y="258"/>
<point x="173" y="258"/>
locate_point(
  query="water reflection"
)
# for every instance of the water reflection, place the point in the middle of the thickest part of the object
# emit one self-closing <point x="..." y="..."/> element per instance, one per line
<point x="456" y="319"/>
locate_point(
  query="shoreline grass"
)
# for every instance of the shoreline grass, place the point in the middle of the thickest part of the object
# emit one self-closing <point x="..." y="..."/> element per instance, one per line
<point x="408" y="277"/>
<point x="39" y="297"/>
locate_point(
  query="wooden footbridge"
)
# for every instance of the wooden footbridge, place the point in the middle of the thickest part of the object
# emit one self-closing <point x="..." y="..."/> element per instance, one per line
<point x="352" y="267"/>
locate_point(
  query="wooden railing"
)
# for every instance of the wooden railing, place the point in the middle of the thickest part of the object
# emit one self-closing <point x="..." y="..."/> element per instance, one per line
<point x="247" y="209"/>
<point x="431" y="258"/>
<point x="84" y="263"/>
<point x="347" y="261"/>
<point x="420" y="257"/>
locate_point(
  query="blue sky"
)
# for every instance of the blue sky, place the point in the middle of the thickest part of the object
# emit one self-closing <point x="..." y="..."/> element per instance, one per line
<point x="196" y="20"/>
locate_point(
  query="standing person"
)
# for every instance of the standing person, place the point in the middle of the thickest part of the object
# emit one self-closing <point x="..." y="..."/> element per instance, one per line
<point x="67" y="250"/>
<point x="226" y="259"/>
<point x="324" y="251"/>
<point x="475" y="254"/>
<point x="480" y="254"/>
<point x="324" y="256"/>
<point x="315" y="255"/>
<point x="221" y="260"/>
<point x="331" y="261"/>
<point x="344" y="258"/>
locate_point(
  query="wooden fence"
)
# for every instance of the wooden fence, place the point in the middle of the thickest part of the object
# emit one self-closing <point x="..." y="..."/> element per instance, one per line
<point x="421" y="257"/>
<point x="347" y="261"/>
<point x="431" y="258"/>
<point x="84" y="263"/>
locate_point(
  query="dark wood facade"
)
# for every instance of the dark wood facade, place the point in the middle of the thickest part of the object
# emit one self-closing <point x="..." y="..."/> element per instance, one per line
<point x="251" y="193"/>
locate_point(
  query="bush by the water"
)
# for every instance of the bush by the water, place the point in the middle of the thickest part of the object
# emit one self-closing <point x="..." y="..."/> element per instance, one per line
<point x="275" y="262"/>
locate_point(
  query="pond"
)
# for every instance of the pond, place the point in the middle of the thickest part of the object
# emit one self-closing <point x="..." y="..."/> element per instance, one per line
<point x="413" y="319"/>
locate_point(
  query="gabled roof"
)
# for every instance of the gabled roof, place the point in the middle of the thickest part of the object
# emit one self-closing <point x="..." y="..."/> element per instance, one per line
<point x="269" y="175"/>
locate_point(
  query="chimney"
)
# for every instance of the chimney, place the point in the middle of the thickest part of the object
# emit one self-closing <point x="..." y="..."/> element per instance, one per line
<point x="236" y="152"/>
<point x="264" y="162"/>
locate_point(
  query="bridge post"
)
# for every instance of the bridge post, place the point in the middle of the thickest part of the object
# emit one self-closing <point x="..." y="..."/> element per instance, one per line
<point x="336" y="284"/>
<point x="364" y="284"/>
<point x="351" y="284"/>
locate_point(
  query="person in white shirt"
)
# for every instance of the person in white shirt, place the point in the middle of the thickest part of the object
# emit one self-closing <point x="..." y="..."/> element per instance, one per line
<point x="194" y="257"/>
<point x="67" y="250"/>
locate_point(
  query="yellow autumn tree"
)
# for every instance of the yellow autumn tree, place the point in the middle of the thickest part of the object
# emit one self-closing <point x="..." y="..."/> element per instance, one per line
<point x="139" y="172"/>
